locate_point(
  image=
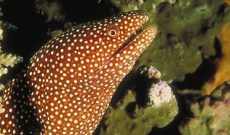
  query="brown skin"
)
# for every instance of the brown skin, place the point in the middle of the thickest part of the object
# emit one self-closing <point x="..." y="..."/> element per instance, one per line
<point x="71" y="80"/>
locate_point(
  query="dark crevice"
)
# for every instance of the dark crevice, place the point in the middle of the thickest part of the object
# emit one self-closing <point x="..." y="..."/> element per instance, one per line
<point x="203" y="73"/>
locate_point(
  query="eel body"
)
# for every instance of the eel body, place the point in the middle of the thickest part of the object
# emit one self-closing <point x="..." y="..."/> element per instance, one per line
<point x="70" y="81"/>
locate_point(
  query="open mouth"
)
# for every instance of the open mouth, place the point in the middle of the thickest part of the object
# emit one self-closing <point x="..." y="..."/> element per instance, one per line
<point x="130" y="39"/>
<point x="139" y="33"/>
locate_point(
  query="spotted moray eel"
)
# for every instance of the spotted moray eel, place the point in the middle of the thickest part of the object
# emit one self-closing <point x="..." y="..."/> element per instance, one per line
<point x="70" y="81"/>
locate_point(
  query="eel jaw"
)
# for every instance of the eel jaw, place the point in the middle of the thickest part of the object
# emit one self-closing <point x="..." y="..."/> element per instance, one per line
<point x="134" y="35"/>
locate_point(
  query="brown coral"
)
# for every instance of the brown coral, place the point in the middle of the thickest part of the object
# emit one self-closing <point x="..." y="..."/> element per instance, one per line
<point x="227" y="1"/>
<point x="223" y="73"/>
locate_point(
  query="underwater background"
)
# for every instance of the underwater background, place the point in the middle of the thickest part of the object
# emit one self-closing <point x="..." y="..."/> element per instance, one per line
<point x="191" y="52"/>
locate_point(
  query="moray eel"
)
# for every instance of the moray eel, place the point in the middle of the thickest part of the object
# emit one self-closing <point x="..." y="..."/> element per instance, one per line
<point x="70" y="81"/>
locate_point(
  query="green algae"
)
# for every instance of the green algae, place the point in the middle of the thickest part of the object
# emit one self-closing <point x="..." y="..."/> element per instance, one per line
<point x="141" y="120"/>
<point x="187" y="33"/>
<point x="171" y="61"/>
<point x="210" y="115"/>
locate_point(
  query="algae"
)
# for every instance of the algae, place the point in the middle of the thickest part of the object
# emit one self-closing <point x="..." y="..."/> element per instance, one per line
<point x="52" y="10"/>
<point x="223" y="65"/>
<point x="143" y="119"/>
<point x="188" y="35"/>
<point x="210" y="115"/>
<point x="188" y="30"/>
<point x="136" y="118"/>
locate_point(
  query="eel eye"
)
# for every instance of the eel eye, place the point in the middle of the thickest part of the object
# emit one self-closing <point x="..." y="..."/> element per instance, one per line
<point x="113" y="31"/>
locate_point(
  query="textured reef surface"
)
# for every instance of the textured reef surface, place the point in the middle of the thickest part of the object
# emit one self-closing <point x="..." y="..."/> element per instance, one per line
<point x="192" y="53"/>
<point x="7" y="61"/>
<point x="210" y="115"/>
<point x="179" y="85"/>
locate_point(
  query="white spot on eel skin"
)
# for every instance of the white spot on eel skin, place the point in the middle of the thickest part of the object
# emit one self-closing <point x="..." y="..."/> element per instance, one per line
<point x="70" y="81"/>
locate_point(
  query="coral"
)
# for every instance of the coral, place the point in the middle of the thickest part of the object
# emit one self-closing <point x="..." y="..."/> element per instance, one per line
<point x="227" y="1"/>
<point x="188" y="35"/>
<point x="187" y="31"/>
<point x="1" y="109"/>
<point x="128" y="5"/>
<point x="172" y="61"/>
<point x="210" y="116"/>
<point x="177" y="49"/>
<point x="129" y="117"/>
<point x="118" y="121"/>
<point x="222" y="74"/>
<point x="150" y="72"/>
<point x="6" y="61"/>
<point x="52" y="9"/>
<point x="160" y="93"/>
